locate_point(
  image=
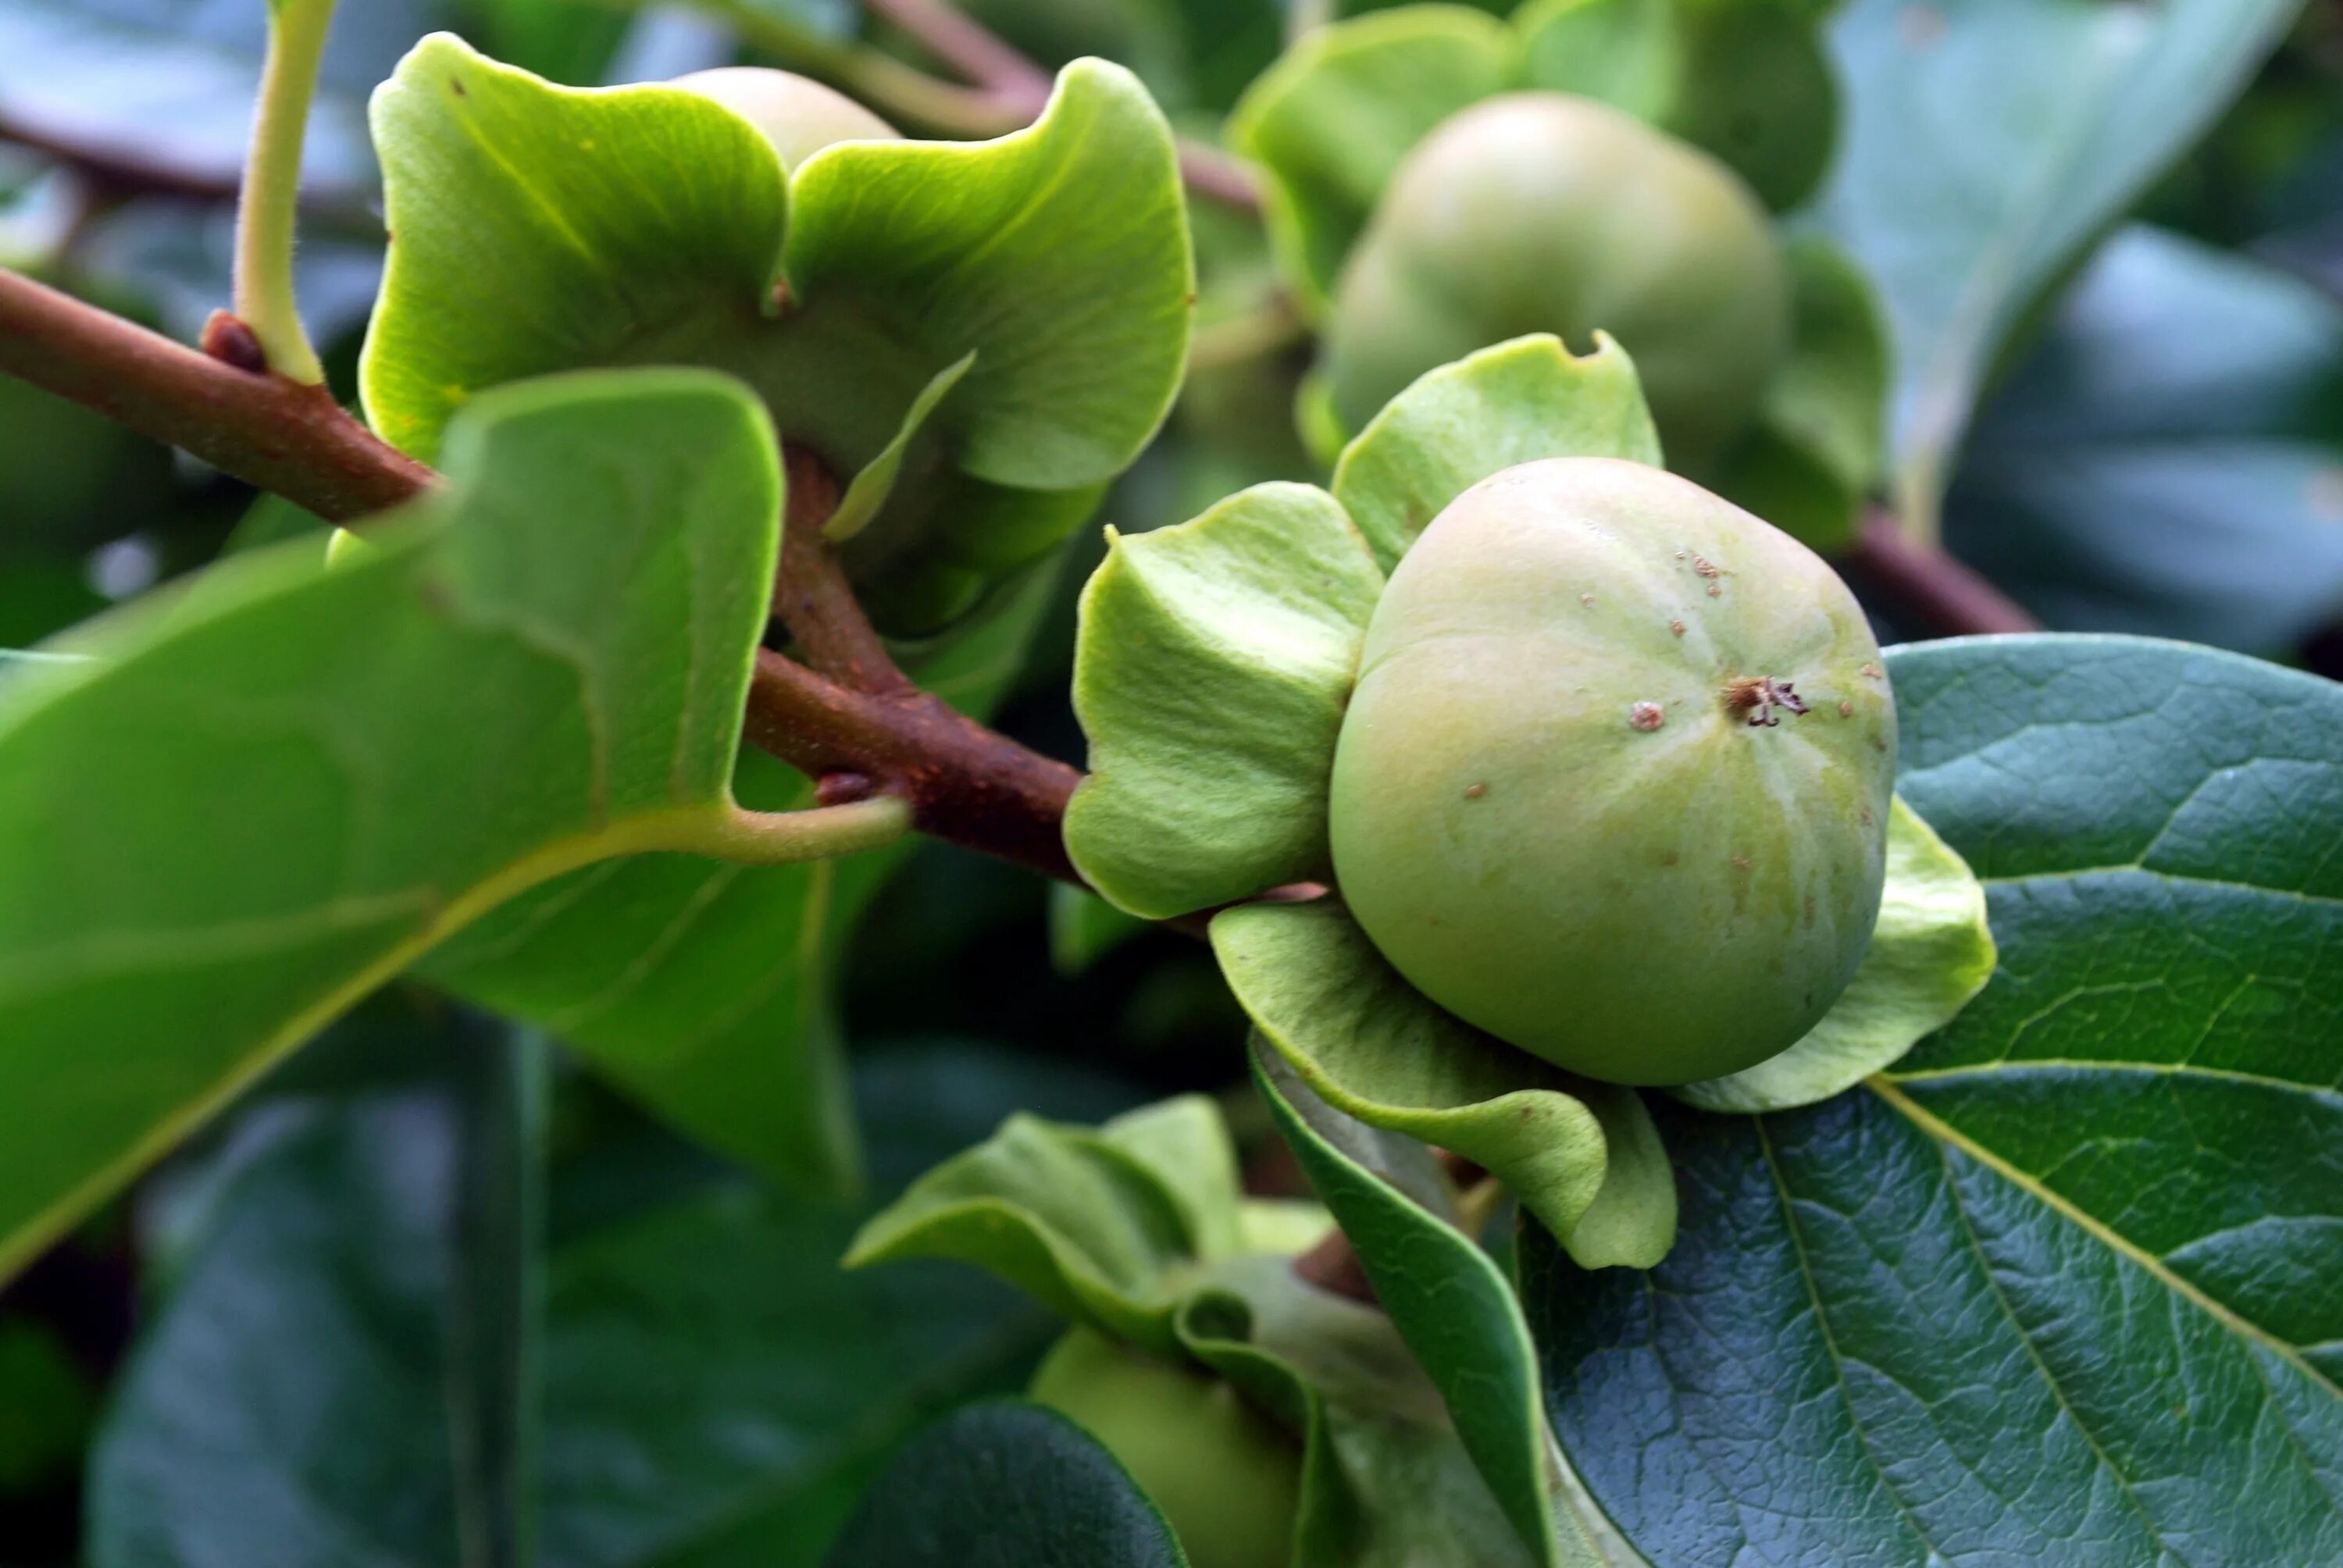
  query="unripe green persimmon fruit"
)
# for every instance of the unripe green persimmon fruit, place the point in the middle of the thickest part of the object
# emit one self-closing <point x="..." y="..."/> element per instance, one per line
<point x="1228" y="1481"/>
<point x="1540" y="212"/>
<point x="800" y="116"/>
<point x="1613" y="784"/>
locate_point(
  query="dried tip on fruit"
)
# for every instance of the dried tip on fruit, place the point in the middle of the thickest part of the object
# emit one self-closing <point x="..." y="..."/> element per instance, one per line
<point x="1759" y="696"/>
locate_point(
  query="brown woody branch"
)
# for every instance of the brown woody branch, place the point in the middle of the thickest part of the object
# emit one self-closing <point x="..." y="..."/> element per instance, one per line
<point x="294" y="440"/>
<point x="1931" y="586"/>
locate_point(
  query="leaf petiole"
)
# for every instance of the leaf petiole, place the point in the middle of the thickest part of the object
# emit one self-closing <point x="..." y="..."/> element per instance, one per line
<point x="783" y="838"/>
<point x="265" y="218"/>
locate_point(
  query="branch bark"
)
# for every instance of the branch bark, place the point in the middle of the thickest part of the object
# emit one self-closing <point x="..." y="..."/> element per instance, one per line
<point x="274" y="433"/>
<point x="1932" y="585"/>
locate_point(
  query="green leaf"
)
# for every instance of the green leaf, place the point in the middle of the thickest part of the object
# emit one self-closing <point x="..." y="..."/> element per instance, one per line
<point x="1578" y="1154"/>
<point x="542" y="228"/>
<point x="1007" y="1486"/>
<point x="1747" y="80"/>
<point x="1809" y="463"/>
<point x="48" y="1404"/>
<point x="1514" y="403"/>
<point x="1930" y="953"/>
<point x="1448" y="1301"/>
<point x="1099" y="1226"/>
<point x="2132" y="477"/>
<point x="364" y="1223"/>
<point x="1211" y="666"/>
<point x="1333" y="118"/>
<point x="2108" y="1193"/>
<point x="716" y="1390"/>
<point x="1986" y="145"/>
<point x="271" y="792"/>
<point x="705" y="989"/>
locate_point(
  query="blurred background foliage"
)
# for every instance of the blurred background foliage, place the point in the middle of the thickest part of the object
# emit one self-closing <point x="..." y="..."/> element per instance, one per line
<point x="288" y="1344"/>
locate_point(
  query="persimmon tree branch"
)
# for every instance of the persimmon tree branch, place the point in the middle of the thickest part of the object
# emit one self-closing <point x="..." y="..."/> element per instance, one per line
<point x="1931" y="586"/>
<point x="846" y="711"/>
<point x="263" y="429"/>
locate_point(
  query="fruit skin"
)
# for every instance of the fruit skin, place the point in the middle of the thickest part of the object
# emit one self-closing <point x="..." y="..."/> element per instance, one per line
<point x="1541" y="212"/>
<point x="1638" y="903"/>
<point x="1227" y="1480"/>
<point x="799" y="116"/>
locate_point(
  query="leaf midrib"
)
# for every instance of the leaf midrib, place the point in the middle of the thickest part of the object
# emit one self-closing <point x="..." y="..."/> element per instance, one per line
<point x="1945" y="1134"/>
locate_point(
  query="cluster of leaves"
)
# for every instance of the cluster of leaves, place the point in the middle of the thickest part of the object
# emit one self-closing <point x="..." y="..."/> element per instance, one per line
<point x="2059" y="1276"/>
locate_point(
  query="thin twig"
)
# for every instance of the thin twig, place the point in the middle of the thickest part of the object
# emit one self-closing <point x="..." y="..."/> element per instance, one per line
<point x="1948" y="596"/>
<point x="812" y="597"/>
<point x="968" y="47"/>
<point x="271" y="432"/>
<point x="967" y="784"/>
<point x="1216" y="176"/>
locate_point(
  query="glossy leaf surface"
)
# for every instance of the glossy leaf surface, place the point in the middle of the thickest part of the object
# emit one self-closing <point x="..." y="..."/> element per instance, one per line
<point x="2132" y="476"/>
<point x="1006" y="1486"/>
<point x="1986" y="143"/>
<point x="269" y="791"/>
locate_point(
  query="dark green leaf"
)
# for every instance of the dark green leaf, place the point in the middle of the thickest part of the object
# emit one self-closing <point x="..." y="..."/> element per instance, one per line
<point x="1986" y="142"/>
<point x="1006" y="1486"/>
<point x="2061" y="1285"/>
<point x="717" y="1392"/>
<point x="2140" y="476"/>
<point x="1448" y="1301"/>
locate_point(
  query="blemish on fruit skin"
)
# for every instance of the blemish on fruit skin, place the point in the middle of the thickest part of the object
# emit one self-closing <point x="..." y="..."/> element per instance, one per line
<point x="1845" y="709"/>
<point x="1474" y="791"/>
<point x="1867" y="816"/>
<point x="1715" y="590"/>
<point x="457" y="83"/>
<point x="1588" y="599"/>
<point x="1740" y="862"/>
<point x="1705" y="567"/>
<point x="1646" y="716"/>
<point x="1810" y="911"/>
<point x="1670" y="859"/>
<point x="1870" y="671"/>
<point x="1676" y="627"/>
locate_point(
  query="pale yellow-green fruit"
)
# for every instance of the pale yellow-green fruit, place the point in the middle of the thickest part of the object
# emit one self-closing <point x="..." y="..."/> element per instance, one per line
<point x="1574" y="800"/>
<point x="1541" y="212"/>
<point x="1229" y="1481"/>
<point x="800" y="116"/>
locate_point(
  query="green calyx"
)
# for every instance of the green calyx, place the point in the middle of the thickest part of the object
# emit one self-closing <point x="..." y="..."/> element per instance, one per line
<point x="1272" y="1421"/>
<point x="755" y="224"/>
<point x="1597" y="764"/>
